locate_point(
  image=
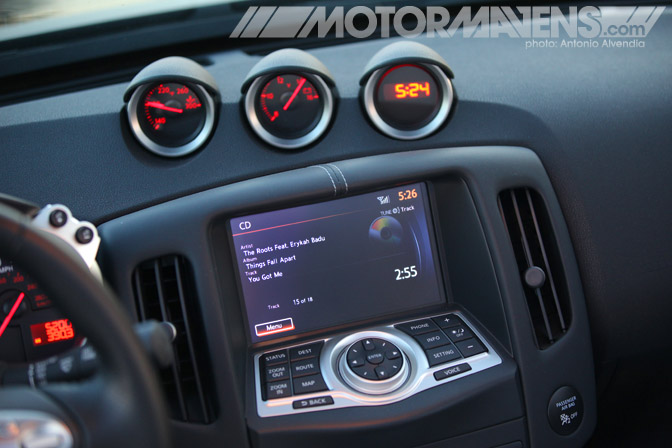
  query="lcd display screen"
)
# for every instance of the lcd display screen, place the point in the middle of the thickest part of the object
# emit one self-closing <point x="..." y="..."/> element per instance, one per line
<point x="322" y="265"/>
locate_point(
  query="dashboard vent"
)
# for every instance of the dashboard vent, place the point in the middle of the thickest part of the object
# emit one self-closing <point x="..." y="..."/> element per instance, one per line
<point x="531" y="233"/>
<point x="164" y="292"/>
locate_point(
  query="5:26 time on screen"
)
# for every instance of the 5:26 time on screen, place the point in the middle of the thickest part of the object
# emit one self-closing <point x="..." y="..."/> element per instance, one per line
<point x="406" y="195"/>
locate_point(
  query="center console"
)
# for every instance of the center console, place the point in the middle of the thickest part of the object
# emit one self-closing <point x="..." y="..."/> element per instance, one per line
<point x="427" y="298"/>
<point x="373" y="367"/>
<point x="319" y="266"/>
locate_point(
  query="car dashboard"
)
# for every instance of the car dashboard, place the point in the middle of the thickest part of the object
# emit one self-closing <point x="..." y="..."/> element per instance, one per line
<point x="474" y="280"/>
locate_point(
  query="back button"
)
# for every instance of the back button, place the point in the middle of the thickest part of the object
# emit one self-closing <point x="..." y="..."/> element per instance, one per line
<point x="313" y="402"/>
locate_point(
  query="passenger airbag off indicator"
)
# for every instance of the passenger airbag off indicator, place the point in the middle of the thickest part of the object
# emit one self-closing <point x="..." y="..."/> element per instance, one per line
<point x="277" y="326"/>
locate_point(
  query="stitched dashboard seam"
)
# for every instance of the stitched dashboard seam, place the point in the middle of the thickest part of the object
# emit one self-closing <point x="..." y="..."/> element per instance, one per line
<point x="342" y="175"/>
<point x="333" y="184"/>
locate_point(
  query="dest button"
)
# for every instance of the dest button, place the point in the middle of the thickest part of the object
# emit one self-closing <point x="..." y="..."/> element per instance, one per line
<point x="305" y="351"/>
<point x="313" y="402"/>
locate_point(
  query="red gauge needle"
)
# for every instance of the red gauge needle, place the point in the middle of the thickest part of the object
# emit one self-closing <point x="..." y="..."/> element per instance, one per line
<point x="11" y="313"/>
<point x="302" y="81"/>
<point x="158" y="105"/>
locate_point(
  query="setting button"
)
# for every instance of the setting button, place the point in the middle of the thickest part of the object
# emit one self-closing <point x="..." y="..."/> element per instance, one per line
<point x="417" y="327"/>
<point x="308" y="384"/>
<point x="278" y="389"/>
<point x="447" y="321"/>
<point x="277" y="372"/>
<point x="459" y="333"/>
<point x="442" y="355"/>
<point x="305" y="351"/>
<point x="432" y="340"/>
<point x="470" y="347"/>
<point x="307" y="367"/>
<point x="451" y="371"/>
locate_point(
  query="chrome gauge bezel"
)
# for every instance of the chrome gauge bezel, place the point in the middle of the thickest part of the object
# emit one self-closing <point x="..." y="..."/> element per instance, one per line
<point x="285" y="143"/>
<point x="414" y="134"/>
<point x="171" y="151"/>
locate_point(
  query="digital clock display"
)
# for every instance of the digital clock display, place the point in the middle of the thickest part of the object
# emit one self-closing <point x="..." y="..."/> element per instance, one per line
<point x="326" y="264"/>
<point x="50" y="332"/>
<point x="407" y="97"/>
<point x="409" y="90"/>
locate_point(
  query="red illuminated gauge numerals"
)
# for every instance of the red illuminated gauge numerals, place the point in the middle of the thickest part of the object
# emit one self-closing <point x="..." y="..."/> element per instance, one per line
<point x="59" y="330"/>
<point x="54" y="331"/>
<point x="411" y="90"/>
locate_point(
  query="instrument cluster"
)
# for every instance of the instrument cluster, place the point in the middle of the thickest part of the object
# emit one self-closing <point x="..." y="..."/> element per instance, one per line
<point x="289" y="99"/>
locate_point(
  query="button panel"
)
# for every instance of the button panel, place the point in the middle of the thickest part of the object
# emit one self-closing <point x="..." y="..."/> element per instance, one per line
<point x="282" y="378"/>
<point x="452" y="341"/>
<point x="376" y="366"/>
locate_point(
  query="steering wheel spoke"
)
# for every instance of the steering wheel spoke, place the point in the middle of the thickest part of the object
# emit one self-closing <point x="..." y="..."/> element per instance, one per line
<point x="120" y="406"/>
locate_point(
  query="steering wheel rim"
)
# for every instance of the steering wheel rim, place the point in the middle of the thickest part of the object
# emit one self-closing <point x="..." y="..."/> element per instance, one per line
<point x="123" y="403"/>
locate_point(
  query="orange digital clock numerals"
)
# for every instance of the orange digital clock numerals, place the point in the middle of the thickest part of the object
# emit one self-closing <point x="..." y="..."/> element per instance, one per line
<point x="411" y="90"/>
<point x="405" y="195"/>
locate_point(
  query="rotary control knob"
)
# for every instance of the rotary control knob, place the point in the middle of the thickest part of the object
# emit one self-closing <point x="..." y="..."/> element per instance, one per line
<point x="374" y="366"/>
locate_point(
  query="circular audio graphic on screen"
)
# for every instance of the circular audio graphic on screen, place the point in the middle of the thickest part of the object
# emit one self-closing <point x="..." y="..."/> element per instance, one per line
<point x="386" y="230"/>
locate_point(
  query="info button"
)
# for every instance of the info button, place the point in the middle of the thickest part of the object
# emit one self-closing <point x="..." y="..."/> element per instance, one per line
<point x="277" y="326"/>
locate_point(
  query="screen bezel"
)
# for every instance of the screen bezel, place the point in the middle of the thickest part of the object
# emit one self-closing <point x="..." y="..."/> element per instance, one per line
<point x="435" y="243"/>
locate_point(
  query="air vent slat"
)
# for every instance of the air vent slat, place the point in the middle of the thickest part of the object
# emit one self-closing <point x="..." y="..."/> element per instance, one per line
<point x="530" y="263"/>
<point x="547" y="265"/>
<point x="164" y="292"/>
<point x="192" y="352"/>
<point x="531" y="233"/>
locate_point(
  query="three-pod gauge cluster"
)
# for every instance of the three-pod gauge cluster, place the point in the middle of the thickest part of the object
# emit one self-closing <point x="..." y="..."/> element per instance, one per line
<point x="289" y="99"/>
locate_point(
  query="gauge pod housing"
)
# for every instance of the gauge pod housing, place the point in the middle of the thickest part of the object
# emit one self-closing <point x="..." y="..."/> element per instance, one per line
<point x="406" y="90"/>
<point x="289" y="99"/>
<point x="171" y="106"/>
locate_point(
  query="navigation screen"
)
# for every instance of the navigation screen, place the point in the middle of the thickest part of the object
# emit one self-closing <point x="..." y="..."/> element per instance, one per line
<point x="320" y="265"/>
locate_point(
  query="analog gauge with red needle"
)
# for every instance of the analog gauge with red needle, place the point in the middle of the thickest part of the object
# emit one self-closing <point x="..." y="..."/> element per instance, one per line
<point x="11" y="306"/>
<point x="31" y="327"/>
<point x="289" y="110"/>
<point x="171" y="118"/>
<point x="172" y="114"/>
